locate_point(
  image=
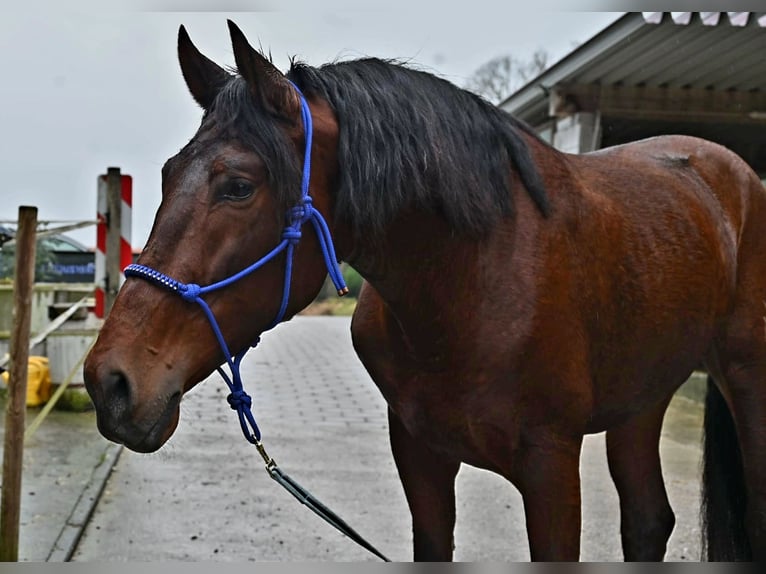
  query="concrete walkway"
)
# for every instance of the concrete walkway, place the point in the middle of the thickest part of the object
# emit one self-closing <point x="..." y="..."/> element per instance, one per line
<point x="206" y="496"/>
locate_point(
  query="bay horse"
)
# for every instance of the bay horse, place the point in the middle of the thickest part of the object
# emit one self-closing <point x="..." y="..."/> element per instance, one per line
<point x="516" y="297"/>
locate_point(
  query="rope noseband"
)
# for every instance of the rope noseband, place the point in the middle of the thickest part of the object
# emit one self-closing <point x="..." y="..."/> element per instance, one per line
<point x="238" y="398"/>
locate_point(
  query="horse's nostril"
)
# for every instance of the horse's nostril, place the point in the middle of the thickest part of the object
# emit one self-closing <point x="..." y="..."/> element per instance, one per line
<point x="117" y="393"/>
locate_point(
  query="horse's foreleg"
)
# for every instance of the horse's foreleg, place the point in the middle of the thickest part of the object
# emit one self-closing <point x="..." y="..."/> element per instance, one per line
<point x="548" y="478"/>
<point x="646" y="518"/>
<point x="429" y="485"/>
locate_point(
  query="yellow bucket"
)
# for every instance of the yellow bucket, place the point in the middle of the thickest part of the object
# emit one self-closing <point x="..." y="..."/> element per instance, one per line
<point x="38" y="381"/>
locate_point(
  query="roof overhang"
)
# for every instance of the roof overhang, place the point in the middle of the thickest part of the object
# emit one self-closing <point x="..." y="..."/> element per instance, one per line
<point x="658" y="65"/>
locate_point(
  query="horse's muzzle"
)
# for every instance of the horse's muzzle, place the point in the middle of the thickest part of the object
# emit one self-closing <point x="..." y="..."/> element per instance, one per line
<point x="142" y="426"/>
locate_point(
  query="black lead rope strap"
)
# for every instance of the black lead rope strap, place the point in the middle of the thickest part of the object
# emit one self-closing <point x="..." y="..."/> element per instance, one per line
<point x="316" y="506"/>
<point x="321" y="510"/>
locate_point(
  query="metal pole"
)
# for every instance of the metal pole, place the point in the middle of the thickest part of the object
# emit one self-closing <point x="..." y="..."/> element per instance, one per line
<point x="13" y="453"/>
<point x="113" y="235"/>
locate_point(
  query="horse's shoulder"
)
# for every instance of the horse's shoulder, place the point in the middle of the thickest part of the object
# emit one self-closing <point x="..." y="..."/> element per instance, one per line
<point x="368" y="324"/>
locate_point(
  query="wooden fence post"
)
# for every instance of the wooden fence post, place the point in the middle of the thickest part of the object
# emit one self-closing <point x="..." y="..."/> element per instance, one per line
<point x="13" y="453"/>
<point x="113" y="235"/>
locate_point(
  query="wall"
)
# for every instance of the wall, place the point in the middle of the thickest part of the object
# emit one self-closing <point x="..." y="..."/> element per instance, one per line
<point x="577" y="133"/>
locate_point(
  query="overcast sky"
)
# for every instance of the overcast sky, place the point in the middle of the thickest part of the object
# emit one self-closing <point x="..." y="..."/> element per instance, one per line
<point x="83" y="90"/>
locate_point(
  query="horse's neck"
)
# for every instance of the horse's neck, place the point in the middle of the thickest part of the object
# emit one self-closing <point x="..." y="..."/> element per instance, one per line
<point x="423" y="272"/>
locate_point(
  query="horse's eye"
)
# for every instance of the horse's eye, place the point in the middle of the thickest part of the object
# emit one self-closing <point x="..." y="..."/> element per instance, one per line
<point x="237" y="189"/>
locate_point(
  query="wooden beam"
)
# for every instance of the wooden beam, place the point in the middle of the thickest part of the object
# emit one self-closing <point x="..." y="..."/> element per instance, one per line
<point x="113" y="235"/>
<point x="658" y="103"/>
<point x="55" y="230"/>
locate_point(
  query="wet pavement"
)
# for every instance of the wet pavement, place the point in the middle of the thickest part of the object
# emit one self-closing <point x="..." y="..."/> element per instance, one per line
<point x="66" y="464"/>
<point x="206" y="496"/>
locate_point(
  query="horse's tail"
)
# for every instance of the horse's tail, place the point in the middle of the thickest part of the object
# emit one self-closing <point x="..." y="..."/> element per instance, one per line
<point x="723" y="484"/>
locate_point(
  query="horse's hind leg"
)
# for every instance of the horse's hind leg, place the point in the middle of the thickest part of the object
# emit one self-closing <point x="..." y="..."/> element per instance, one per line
<point x="429" y="485"/>
<point x="738" y="361"/>
<point x="750" y="413"/>
<point x="743" y="491"/>
<point x="646" y="518"/>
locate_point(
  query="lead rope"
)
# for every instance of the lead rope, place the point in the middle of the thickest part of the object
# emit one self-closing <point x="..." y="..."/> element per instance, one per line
<point x="238" y="399"/>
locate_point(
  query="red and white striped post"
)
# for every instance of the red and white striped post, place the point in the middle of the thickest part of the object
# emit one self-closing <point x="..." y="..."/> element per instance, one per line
<point x="100" y="270"/>
<point x="113" y="247"/>
<point x="126" y="219"/>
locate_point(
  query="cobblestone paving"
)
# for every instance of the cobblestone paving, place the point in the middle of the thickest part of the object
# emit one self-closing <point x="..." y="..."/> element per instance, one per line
<point x="205" y="495"/>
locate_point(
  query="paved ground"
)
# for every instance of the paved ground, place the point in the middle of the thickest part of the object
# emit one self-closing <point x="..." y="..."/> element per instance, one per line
<point x="66" y="463"/>
<point x="206" y="496"/>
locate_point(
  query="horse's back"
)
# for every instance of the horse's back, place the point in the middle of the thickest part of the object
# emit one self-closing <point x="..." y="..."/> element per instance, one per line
<point x="689" y="164"/>
<point x="683" y="192"/>
<point x="688" y="178"/>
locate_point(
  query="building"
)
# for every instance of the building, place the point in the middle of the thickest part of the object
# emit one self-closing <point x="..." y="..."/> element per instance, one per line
<point x="652" y="73"/>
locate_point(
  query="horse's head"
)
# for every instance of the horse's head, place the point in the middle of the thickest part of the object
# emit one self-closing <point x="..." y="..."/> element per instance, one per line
<point x="225" y="196"/>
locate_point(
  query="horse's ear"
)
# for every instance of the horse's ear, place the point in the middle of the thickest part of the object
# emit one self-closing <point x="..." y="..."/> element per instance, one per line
<point x="269" y="86"/>
<point x="204" y="77"/>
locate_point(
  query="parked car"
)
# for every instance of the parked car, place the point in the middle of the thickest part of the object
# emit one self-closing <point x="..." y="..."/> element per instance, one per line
<point x="59" y="259"/>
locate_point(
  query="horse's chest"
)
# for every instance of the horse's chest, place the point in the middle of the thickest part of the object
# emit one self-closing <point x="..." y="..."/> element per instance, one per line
<point x="451" y="418"/>
<point x="462" y="408"/>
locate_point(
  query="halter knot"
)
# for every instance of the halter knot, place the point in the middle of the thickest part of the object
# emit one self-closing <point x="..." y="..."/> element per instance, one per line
<point x="189" y="291"/>
<point x="239" y="400"/>
<point x="292" y="234"/>
<point x="296" y="214"/>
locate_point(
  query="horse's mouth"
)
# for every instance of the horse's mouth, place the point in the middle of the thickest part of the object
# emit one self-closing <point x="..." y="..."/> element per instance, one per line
<point x="135" y="435"/>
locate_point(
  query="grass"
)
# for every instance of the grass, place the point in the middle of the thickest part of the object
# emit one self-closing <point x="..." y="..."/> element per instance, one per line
<point x="75" y="400"/>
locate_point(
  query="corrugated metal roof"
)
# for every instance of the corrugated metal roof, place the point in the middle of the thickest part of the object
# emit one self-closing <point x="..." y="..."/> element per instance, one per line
<point x="708" y="18"/>
<point x="687" y="56"/>
<point x="703" y="50"/>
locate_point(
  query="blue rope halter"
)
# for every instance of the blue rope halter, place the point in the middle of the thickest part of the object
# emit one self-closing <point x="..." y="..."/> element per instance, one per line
<point x="304" y="212"/>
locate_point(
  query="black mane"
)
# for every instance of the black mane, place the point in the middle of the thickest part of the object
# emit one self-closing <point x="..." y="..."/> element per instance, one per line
<point x="407" y="138"/>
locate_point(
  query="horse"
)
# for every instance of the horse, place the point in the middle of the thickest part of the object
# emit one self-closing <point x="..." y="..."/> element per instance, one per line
<point x="516" y="297"/>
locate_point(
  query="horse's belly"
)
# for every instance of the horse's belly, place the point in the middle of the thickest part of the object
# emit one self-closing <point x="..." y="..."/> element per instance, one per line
<point x="645" y="372"/>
